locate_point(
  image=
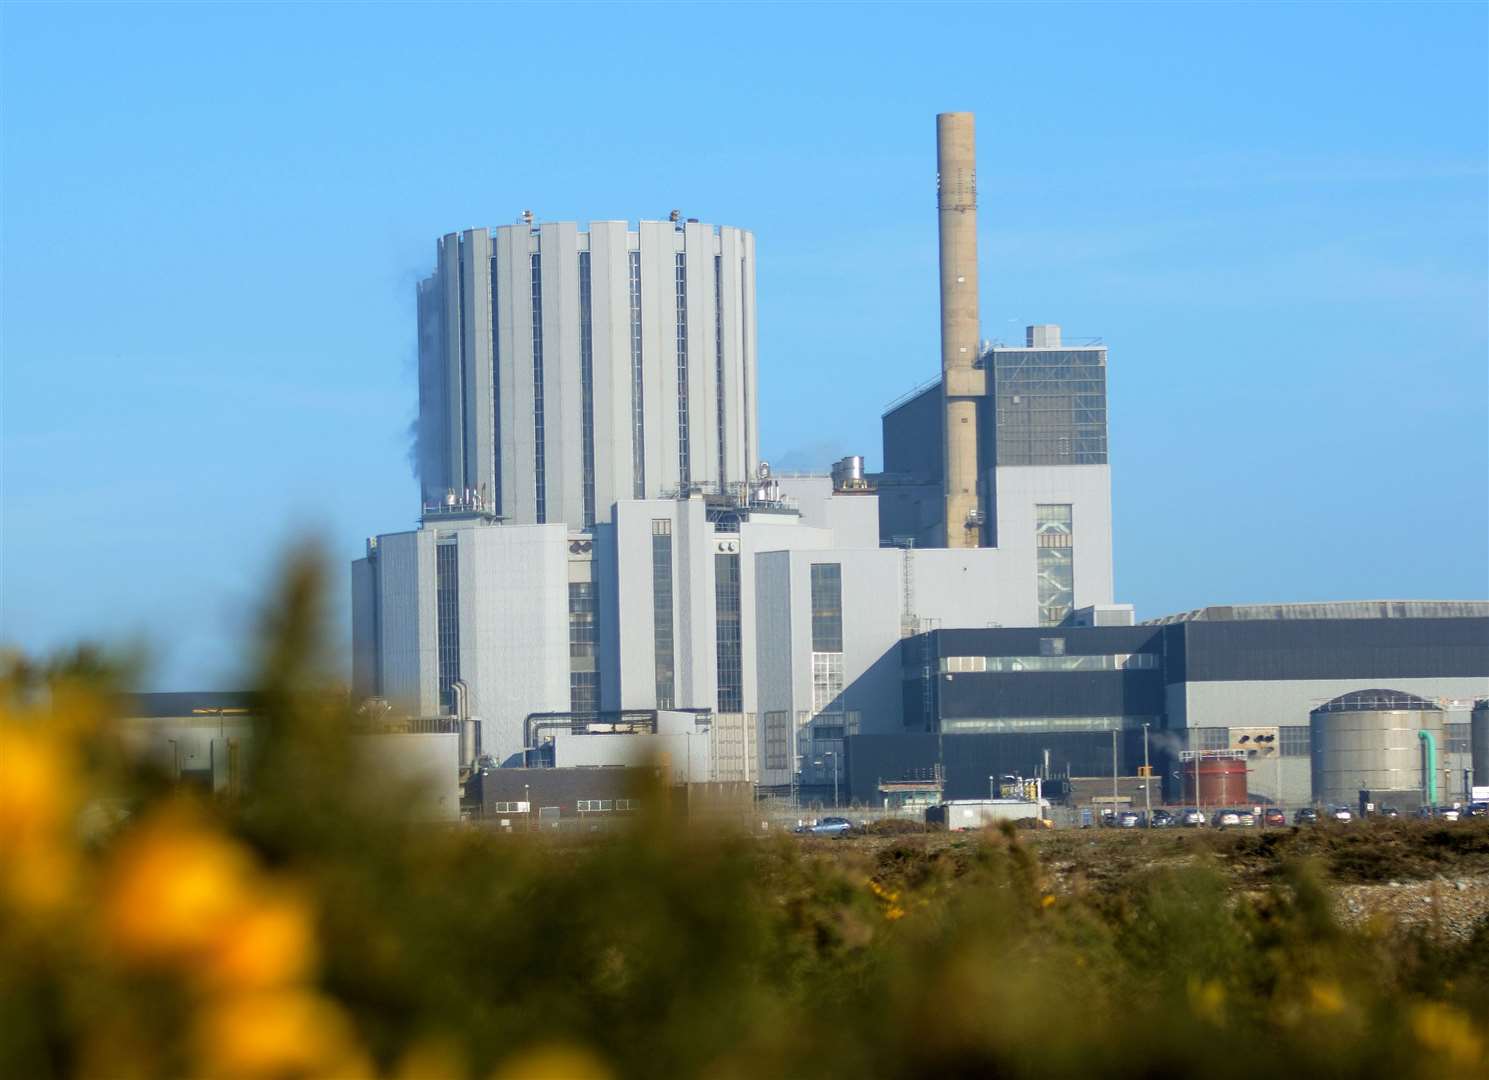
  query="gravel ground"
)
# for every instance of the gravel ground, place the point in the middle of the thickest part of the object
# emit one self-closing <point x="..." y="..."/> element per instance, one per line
<point x="1453" y="906"/>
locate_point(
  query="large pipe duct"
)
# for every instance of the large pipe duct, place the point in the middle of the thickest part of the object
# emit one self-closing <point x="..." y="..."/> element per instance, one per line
<point x="963" y="380"/>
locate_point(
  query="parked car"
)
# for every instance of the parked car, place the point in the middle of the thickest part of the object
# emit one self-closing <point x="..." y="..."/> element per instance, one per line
<point x="1246" y="818"/>
<point x="1162" y="819"/>
<point x="828" y="826"/>
<point x="1306" y="816"/>
<point x="1448" y="813"/>
<point x="1225" y="819"/>
<point x="1129" y="819"/>
<point x="1478" y="809"/>
<point x="1274" y="816"/>
<point x="1389" y="811"/>
<point x="1193" y="818"/>
<point x="1341" y="814"/>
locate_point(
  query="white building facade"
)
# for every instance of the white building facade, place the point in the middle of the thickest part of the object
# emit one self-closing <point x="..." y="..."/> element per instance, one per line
<point x="562" y="370"/>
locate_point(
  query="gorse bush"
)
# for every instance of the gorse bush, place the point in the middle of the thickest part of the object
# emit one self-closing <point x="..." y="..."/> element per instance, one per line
<point x="304" y="929"/>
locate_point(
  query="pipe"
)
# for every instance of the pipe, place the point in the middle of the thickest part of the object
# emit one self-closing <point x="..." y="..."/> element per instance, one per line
<point x="1429" y="768"/>
<point x="963" y="380"/>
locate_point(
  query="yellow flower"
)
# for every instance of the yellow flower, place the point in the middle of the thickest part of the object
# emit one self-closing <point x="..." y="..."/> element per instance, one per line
<point x="1207" y="1000"/>
<point x="37" y="800"/>
<point x="282" y="1033"/>
<point x="270" y="943"/>
<point x="559" y="1062"/>
<point x="173" y="889"/>
<point x="1047" y="900"/>
<point x="1325" y="996"/>
<point x="1447" y="1031"/>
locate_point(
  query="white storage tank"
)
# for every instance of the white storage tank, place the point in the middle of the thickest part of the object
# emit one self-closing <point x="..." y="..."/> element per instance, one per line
<point x="1371" y="739"/>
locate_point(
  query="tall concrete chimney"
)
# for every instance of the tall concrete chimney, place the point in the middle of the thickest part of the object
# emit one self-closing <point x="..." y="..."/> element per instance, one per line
<point x="962" y="380"/>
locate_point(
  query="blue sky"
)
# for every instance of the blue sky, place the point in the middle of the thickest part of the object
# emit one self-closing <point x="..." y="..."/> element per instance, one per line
<point x="214" y="217"/>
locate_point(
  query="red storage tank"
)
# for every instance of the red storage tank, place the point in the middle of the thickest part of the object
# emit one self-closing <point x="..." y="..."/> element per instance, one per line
<point x="1222" y="781"/>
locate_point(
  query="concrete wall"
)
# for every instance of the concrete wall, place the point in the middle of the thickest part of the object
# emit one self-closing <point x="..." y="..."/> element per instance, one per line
<point x="514" y="628"/>
<point x="413" y="776"/>
<point x="1088" y="489"/>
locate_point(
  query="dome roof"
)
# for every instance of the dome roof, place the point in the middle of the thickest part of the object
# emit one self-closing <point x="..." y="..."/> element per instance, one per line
<point x="1377" y="701"/>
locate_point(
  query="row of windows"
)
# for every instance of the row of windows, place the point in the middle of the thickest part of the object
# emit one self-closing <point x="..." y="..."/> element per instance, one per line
<point x="496" y="411"/>
<point x="1000" y="664"/>
<point x="684" y="462"/>
<point x="718" y="352"/>
<point x="1055" y="566"/>
<point x="510" y="807"/>
<point x="538" y="441"/>
<point x="638" y="412"/>
<point x="1034" y="724"/>
<point x="587" y="389"/>
<point x="584" y="674"/>
<point x="827" y="607"/>
<point x="661" y="588"/>
<point x="727" y="622"/>
<point x="602" y="805"/>
<point x="447" y="618"/>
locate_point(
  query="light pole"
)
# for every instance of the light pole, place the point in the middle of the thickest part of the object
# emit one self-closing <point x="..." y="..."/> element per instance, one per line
<point x="175" y="759"/>
<point x="992" y="792"/>
<point x="1114" y="773"/>
<point x="833" y="754"/>
<point x="527" y="798"/>
<point x="1147" y="779"/>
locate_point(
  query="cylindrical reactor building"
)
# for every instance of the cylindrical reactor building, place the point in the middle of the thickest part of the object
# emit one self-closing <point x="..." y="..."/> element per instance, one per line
<point x="561" y="370"/>
<point x="1479" y="742"/>
<point x="1370" y="740"/>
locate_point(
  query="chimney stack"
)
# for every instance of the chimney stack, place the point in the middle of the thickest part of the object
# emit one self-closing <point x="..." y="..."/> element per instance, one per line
<point x="963" y="380"/>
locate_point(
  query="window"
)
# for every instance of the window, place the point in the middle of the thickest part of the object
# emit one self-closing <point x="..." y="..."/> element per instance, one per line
<point x="827" y="682"/>
<point x="538" y="441"/>
<point x="584" y="675"/>
<point x="447" y="613"/>
<point x="954" y="665"/>
<point x="661" y="588"/>
<point x="778" y="741"/>
<point x="594" y="805"/>
<point x="718" y="353"/>
<point x="496" y="412"/>
<point x="1055" y="568"/>
<point x="508" y="807"/>
<point x="727" y="632"/>
<point x="638" y="410"/>
<point x="827" y="607"/>
<point x="1209" y="738"/>
<point x="1052" y="646"/>
<point x="462" y="317"/>
<point x="587" y="388"/>
<point x="1455" y="738"/>
<point x="684" y="460"/>
<point x="1051" y="406"/>
<point x="1295" y="741"/>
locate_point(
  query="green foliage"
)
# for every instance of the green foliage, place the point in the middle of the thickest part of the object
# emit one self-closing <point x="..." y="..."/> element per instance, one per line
<point x="665" y="951"/>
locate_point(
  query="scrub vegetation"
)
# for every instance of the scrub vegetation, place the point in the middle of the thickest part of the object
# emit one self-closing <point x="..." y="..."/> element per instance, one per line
<point x="305" y="930"/>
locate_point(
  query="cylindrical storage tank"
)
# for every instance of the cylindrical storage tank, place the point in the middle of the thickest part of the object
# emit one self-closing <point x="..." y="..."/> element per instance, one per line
<point x="1370" y="739"/>
<point x="1216" y="781"/>
<point x="1479" y="743"/>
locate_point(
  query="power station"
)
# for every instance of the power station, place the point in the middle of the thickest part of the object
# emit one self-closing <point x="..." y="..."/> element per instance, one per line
<point x="604" y="569"/>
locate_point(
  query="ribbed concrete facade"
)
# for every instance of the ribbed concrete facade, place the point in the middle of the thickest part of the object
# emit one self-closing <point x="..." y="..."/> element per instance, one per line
<point x="561" y="370"/>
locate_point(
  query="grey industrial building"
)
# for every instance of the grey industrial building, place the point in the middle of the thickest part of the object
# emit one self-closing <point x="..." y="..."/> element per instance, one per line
<point x="1247" y="679"/>
<point x="599" y="541"/>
